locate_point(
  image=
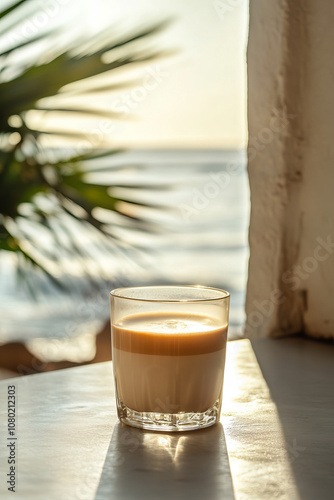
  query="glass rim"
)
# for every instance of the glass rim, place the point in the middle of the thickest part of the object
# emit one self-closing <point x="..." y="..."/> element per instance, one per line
<point x="117" y="292"/>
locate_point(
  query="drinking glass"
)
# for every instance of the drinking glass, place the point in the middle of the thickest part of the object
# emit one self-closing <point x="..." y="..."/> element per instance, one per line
<point x="168" y="352"/>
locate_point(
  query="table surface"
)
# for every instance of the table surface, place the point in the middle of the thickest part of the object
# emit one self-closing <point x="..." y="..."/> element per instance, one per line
<point x="275" y="439"/>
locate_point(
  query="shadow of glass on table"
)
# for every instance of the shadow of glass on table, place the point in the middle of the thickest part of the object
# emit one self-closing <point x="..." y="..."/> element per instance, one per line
<point x="151" y="465"/>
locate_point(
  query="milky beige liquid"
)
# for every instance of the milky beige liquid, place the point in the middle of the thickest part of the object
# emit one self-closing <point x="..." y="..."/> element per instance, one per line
<point x="169" y="363"/>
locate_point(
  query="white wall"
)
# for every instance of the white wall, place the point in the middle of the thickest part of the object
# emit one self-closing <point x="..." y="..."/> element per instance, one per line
<point x="291" y="168"/>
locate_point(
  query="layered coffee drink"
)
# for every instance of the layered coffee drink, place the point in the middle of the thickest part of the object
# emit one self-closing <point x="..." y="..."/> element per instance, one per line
<point x="168" y="363"/>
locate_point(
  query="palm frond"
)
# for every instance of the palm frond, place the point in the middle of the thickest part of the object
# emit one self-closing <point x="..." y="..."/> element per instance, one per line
<point x="37" y="187"/>
<point x="11" y="8"/>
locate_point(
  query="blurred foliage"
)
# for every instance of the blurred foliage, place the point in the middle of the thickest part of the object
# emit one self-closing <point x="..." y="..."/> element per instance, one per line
<point x="40" y="192"/>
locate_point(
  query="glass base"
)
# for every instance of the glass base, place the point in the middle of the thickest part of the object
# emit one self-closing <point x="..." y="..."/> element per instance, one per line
<point x="169" y="422"/>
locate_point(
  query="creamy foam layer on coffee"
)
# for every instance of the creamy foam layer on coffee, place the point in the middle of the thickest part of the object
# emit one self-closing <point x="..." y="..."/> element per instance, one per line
<point x="166" y="334"/>
<point x="169" y="363"/>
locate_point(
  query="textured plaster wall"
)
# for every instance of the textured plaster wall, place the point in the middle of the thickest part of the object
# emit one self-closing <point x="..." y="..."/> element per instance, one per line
<point x="291" y="168"/>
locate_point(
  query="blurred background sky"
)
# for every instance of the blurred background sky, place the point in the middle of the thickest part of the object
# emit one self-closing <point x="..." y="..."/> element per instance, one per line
<point x="199" y="100"/>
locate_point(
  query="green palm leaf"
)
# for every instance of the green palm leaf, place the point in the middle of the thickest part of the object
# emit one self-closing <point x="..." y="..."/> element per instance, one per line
<point x="38" y="189"/>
